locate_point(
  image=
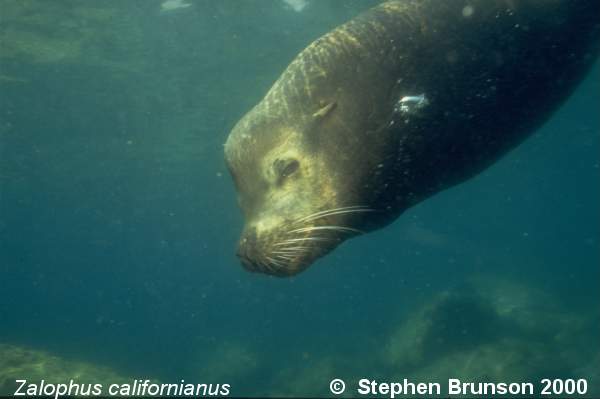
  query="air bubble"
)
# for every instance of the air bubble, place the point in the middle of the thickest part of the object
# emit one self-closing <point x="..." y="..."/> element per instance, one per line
<point x="468" y="11"/>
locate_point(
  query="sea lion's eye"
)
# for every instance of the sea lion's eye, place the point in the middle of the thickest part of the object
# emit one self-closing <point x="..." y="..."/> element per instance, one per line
<point x="290" y="168"/>
<point x="285" y="167"/>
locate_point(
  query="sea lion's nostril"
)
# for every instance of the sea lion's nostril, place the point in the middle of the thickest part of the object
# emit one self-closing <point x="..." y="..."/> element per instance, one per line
<point x="246" y="249"/>
<point x="247" y="263"/>
<point x="240" y="252"/>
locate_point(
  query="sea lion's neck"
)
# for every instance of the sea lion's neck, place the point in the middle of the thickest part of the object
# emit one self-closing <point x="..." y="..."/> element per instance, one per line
<point x="326" y="62"/>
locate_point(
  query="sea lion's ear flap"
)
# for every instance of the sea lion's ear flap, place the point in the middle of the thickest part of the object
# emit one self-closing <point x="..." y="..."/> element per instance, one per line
<point x="324" y="111"/>
<point x="314" y="126"/>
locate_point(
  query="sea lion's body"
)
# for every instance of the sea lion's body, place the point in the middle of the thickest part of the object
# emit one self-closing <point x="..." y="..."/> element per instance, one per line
<point x="403" y="101"/>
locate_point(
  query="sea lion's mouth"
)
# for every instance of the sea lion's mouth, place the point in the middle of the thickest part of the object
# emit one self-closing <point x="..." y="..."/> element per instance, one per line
<point x="294" y="246"/>
<point x="278" y="260"/>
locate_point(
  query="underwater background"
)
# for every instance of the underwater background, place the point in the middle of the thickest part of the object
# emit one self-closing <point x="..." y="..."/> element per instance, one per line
<point x="119" y="222"/>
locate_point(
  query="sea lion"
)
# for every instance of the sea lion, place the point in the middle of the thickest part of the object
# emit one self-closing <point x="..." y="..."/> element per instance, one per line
<point x="407" y="99"/>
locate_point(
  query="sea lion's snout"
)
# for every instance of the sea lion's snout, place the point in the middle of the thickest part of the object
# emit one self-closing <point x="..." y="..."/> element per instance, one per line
<point x="290" y="246"/>
<point x="255" y="257"/>
<point x="246" y="250"/>
<point x="276" y="253"/>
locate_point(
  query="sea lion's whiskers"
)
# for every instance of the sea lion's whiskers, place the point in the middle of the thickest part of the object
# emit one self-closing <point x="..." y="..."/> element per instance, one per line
<point x="284" y="255"/>
<point x="304" y="218"/>
<point x="343" y="211"/>
<point x="276" y="263"/>
<point x="284" y="258"/>
<point x="333" y="228"/>
<point x="288" y="253"/>
<point x="311" y="215"/>
<point x="297" y="248"/>
<point x="293" y="240"/>
<point x="320" y="213"/>
<point x="282" y="244"/>
<point x="339" y="212"/>
<point x="285" y="252"/>
<point x="265" y="265"/>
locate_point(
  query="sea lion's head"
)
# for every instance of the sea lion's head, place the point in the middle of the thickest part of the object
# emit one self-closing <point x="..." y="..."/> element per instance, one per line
<point x="313" y="161"/>
<point x="306" y="180"/>
<point x="291" y="194"/>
